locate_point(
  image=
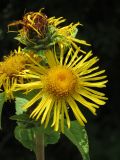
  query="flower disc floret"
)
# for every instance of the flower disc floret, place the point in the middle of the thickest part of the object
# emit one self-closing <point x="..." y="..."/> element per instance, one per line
<point x="60" y="81"/>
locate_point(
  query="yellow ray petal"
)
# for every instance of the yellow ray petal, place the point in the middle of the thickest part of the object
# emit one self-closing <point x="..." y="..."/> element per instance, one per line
<point x="43" y="105"/>
<point x="68" y="55"/>
<point x="47" y="110"/>
<point x="73" y="57"/>
<point x="80" y="41"/>
<point x="61" y="53"/>
<point x="78" y="114"/>
<point x="83" y="60"/>
<point x="90" y="96"/>
<point x="38" y="69"/>
<point x="75" y="62"/>
<point x="37" y="109"/>
<point x="66" y="113"/>
<point x="62" y="118"/>
<point x="93" y="79"/>
<point x="60" y="20"/>
<point x="95" y="84"/>
<point x="87" y="104"/>
<point x="36" y="63"/>
<point x="94" y="92"/>
<point x="76" y="47"/>
<point x="30" y="85"/>
<point x="88" y="71"/>
<point x="50" y="58"/>
<point x="94" y="74"/>
<point x="56" y="127"/>
<point x="54" y="114"/>
<point x="27" y="76"/>
<point x="86" y="65"/>
<point x="49" y="113"/>
<point x="33" y="100"/>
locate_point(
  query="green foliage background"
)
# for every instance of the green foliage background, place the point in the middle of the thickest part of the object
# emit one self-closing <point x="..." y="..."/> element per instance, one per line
<point x="101" y="29"/>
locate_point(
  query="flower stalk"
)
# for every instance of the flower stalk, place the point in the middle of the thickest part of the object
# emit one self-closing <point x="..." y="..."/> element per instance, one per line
<point x="39" y="151"/>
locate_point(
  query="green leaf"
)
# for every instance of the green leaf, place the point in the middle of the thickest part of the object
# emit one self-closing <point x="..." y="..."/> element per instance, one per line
<point x="24" y="120"/>
<point x="2" y="100"/>
<point x="21" y="118"/>
<point x="22" y="99"/>
<point x="27" y="136"/>
<point x="19" y="102"/>
<point x="51" y="137"/>
<point x="78" y="136"/>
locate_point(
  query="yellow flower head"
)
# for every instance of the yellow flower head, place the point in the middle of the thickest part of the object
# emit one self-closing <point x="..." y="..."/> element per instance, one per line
<point x="10" y="68"/>
<point x="40" y="32"/>
<point x="61" y="83"/>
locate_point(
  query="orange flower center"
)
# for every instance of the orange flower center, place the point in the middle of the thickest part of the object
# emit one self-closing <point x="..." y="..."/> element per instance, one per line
<point x="13" y="65"/>
<point x="60" y="81"/>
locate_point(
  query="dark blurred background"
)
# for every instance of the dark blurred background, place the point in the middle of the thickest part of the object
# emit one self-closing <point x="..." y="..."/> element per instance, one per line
<point x="101" y="21"/>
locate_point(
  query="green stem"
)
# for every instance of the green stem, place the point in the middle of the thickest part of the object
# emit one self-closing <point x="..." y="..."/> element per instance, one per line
<point x="40" y="146"/>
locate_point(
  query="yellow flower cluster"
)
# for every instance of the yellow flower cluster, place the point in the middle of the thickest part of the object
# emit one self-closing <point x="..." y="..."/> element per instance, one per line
<point x="62" y="78"/>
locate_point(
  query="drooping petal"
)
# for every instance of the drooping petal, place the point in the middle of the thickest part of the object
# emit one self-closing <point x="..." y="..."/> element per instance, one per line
<point x="47" y="111"/>
<point x="95" y="92"/>
<point x="88" y="95"/>
<point x="66" y="113"/>
<point x="78" y="114"/>
<point x="62" y="117"/>
<point x="45" y="102"/>
<point x="58" y="111"/>
<point x="95" y="84"/>
<point x="91" y="106"/>
<point x="54" y="114"/>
